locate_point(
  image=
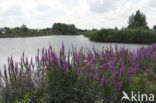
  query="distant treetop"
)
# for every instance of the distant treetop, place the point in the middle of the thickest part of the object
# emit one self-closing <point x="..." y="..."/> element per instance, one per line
<point x="62" y="28"/>
<point x="137" y="21"/>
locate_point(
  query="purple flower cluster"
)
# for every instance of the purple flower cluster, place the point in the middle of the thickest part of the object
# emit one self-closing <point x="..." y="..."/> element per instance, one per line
<point x="106" y="67"/>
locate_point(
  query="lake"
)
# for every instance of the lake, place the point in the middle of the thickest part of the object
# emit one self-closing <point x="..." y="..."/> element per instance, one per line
<point x="15" y="46"/>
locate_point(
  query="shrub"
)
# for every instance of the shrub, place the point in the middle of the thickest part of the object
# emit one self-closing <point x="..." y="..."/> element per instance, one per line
<point x="124" y="36"/>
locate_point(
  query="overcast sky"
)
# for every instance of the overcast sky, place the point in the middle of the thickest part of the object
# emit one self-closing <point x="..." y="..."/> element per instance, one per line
<point x="85" y="14"/>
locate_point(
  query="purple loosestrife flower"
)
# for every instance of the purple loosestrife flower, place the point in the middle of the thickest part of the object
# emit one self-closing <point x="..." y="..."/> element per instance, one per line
<point x="78" y="70"/>
<point x="106" y="60"/>
<point x="120" y="62"/>
<point x="0" y="73"/>
<point x="20" y="73"/>
<point x="94" y="58"/>
<point x="93" y="69"/>
<point x="32" y="64"/>
<point x="55" y="58"/>
<point x="113" y="54"/>
<point x="112" y="66"/>
<point x="101" y="83"/>
<point x="68" y="56"/>
<point x="130" y="62"/>
<point x="121" y="71"/>
<point x="27" y="76"/>
<point x="16" y="67"/>
<point x="78" y="59"/>
<point x="29" y="68"/>
<point x="132" y="71"/>
<point x="113" y="69"/>
<point x="114" y="78"/>
<point x="38" y="72"/>
<point x="149" y="72"/>
<point x="107" y="81"/>
<point x="5" y="74"/>
<point x="120" y="85"/>
<point x="47" y="68"/>
<point x="65" y="66"/>
<point x="52" y="69"/>
<point x="91" y="75"/>
<point x="96" y="77"/>
<point x="103" y="77"/>
<point x="26" y="61"/>
<point x="85" y="69"/>
<point x="103" y="66"/>
<point x="21" y="63"/>
<point x="83" y="80"/>
<point x="102" y="80"/>
<point x="98" y="73"/>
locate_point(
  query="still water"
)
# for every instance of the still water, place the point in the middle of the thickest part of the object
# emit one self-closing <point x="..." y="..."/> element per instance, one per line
<point x="15" y="46"/>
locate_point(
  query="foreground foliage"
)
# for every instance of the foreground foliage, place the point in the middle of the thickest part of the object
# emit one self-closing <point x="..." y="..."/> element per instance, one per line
<point x="78" y="76"/>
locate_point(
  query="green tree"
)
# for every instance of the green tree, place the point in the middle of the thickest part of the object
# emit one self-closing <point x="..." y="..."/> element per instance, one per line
<point x="62" y="28"/>
<point x="137" y="21"/>
<point x="154" y="27"/>
<point x="24" y="28"/>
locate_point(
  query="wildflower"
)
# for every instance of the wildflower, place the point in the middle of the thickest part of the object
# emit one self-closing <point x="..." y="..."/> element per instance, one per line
<point x="93" y="69"/>
<point x="85" y="68"/>
<point x="52" y="69"/>
<point x="47" y="68"/>
<point x="20" y="73"/>
<point x="149" y="72"/>
<point x="5" y="74"/>
<point x="101" y="83"/>
<point x="121" y="71"/>
<point x="103" y="66"/>
<point x="103" y="77"/>
<point x="107" y="81"/>
<point x="78" y="70"/>
<point x="16" y="67"/>
<point x="113" y="77"/>
<point x="91" y="75"/>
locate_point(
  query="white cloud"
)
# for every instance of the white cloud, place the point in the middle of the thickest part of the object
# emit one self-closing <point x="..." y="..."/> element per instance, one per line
<point x="83" y="13"/>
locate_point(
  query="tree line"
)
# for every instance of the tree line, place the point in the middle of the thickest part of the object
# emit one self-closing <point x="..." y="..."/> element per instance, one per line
<point x="137" y="31"/>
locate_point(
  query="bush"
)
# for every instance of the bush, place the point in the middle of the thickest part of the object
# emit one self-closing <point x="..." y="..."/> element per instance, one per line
<point x="124" y="36"/>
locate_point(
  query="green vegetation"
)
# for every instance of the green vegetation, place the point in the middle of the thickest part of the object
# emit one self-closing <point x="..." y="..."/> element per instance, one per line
<point x="137" y="21"/>
<point x="79" y="76"/>
<point x="123" y="36"/>
<point x="136" y="32"/>
<point x="64" y="29"/>
<point x="154" y="27"/>
<point x="24" y="31"/>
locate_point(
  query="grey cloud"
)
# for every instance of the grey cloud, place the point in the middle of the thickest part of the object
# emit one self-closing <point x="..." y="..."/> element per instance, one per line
<point x="13" y="11"/>
<point x="42" y="7"/>
<point x="99" y="7"/>
<point x="152" y="3"/>
<point x="69" y="4"/>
